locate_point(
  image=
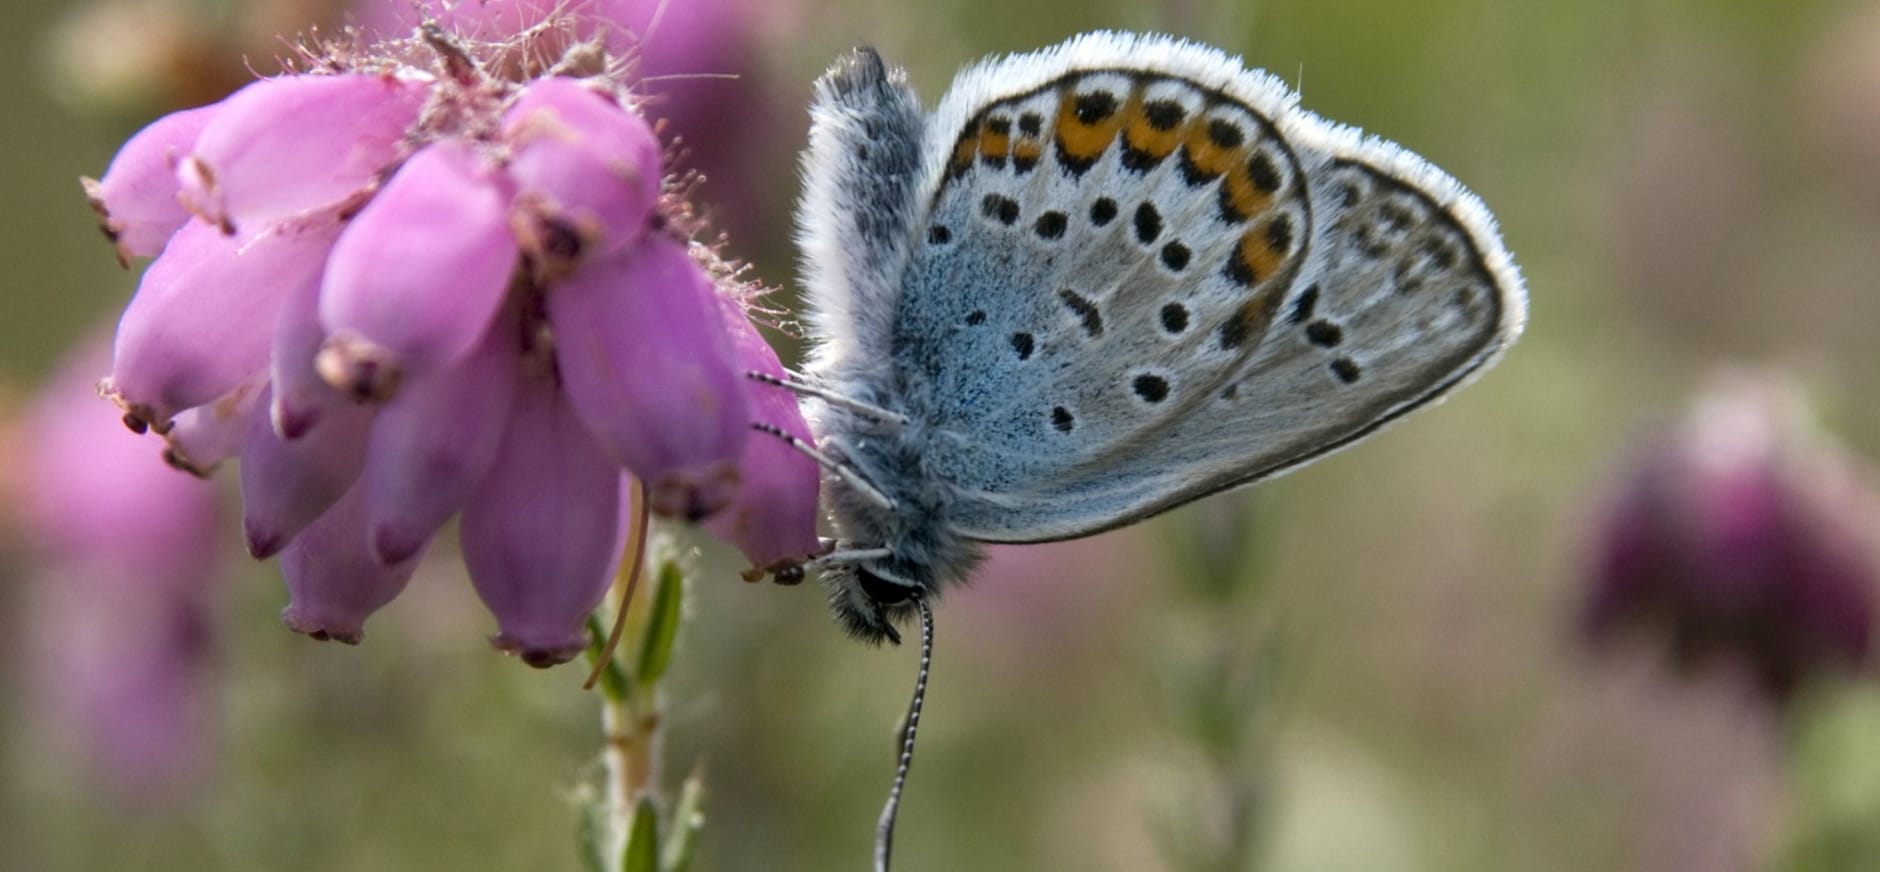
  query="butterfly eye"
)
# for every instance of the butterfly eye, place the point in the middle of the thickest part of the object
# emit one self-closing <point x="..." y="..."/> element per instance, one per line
<point x="884" y="592"/>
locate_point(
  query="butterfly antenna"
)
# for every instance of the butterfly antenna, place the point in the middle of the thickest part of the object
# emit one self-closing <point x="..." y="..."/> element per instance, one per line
<point x="884" y="831"/>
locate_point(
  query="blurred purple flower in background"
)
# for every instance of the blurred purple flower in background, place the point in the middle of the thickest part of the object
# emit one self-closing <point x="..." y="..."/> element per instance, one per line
<point x="1740" y="539"/>
<point x="126" y="554"/>
<point x="693" y="61"/>
<point x="458" y="293"/>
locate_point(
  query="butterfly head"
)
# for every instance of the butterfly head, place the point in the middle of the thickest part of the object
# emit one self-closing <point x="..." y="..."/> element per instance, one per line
<point x="868" y="602"/>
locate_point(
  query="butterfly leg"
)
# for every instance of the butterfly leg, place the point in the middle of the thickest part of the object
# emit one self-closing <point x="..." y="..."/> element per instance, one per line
<point x="796" y="384"/>
<point x="842" y="470"/>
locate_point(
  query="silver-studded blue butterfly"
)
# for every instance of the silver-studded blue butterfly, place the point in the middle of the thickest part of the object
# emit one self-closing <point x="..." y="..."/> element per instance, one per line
<point x="1102" y="280"/>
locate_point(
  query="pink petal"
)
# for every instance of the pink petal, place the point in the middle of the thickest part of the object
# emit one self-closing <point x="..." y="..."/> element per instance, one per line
<point x="284" y="146"/>
<point x="136" y="200"/>
<point x="198" y="324"/>
<point x="415" y="281"/>
<point x="542" y="534"/>
<point x="286" y="485"/>
<point x="301" y="398"/>
<point x="433" y="444"/>
<point x="333" y="580"/>
<point x="772" y="519"/>
<point x="206" y="435"/>
<point x="647" y="364"/>
<point x="587" y="173"/>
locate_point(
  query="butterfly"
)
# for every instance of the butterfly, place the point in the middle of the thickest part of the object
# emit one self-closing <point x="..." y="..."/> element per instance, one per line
<point x="1099" y="281"/>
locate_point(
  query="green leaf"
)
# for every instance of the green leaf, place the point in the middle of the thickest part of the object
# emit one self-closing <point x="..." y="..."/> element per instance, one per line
<point x="688" y="819"/>
<point x="642" y="854"/>
<point x="662" y="626"/>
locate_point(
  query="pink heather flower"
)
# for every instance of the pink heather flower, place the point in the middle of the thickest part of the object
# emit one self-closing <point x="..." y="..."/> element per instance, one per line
<point x="126" y="553"/>
<point x="434" y="442"/>
<point x="772" y="516"/>
<point x="409" y="293"/>
<point x="136" y="198"/>
<point x="647" y="364"/>
<point x="696" y="61"/>
<point x="1738" y="539"/>
<point x="416" y="279"/>
<point x="334" y="580"/>
<point x="289" y="145"/>
<point x="587" y="174"/>
<point x="544" y="530"/>
<point x="287" y="483"/>
<point x="188" y="336"/>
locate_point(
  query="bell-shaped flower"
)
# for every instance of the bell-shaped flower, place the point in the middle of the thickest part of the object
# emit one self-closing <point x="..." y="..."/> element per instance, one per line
<point x="646" y="361"/>
<point x="416" y="279"/>
<point x="433" y="444"/>
<point x="293" y="144"/>
<point x="189" y="335"/>
<point x="587" y="173"/>
<point x="542" y="533"/>
<point x="299" y="398"/>
<point x="1741" y="538"/>
<point x="286" y="484"/>
<point x="204" y="436"/>
<point x="136" y="199"/>
<point x="334" y="582"/>
<point x="772" y="518"/>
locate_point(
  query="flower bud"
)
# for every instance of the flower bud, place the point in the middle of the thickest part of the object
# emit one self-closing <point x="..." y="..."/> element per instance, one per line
<point x="542" y="534"/>
<point x="416" y="279"/>
<point x="587" y="173"/>
<point x="772" y="518"/>
<point x="206" y="435"/>
<point x="334" y="582"/>
<point x="136" y="199"/>
<point x="433" y="444"/>
<point x="289" y="145"/>
<point x="647" y="364"/>
<point x="188" y="336"/>
<point x="287" y="484"/>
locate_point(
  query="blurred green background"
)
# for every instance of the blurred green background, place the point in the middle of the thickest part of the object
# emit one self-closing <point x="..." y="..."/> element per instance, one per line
<point x="1684" y="184"/>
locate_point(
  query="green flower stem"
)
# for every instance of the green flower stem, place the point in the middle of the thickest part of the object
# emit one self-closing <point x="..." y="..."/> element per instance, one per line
<point x="621" y="830"/>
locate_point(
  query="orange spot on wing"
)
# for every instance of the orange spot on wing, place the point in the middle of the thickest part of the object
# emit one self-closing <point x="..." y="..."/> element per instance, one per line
<point x="1259" y="259"/>
<point x="1142" y="136"/>
<point x="1085" y="142"/>
<point x="1240" y="195"/>
<point x="1204" y="157"/>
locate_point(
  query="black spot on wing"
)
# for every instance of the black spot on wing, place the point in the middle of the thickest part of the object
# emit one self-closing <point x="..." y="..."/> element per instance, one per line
<point x="1051" y="225"/>
<point x="1175" y="256"/>
<point x="1085" y="310"/>
<point x="1148" y="223"/>
<point x="1346" y="370"/>
<point x="1000" y="207"/>
<point x="1152" y="388"/>
<point x="1174" y="317"/>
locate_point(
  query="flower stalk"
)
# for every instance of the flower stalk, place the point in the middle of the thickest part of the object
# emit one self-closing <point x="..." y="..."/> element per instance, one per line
<point x="631" y="824"/>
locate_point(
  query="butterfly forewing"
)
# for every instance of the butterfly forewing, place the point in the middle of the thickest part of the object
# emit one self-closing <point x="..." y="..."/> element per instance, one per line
<point x="1138" y="286"/>
<point x="1102" y="253"/>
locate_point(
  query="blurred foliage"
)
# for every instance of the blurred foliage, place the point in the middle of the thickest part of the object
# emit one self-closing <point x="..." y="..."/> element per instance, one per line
<point x="1437" y="713"/>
